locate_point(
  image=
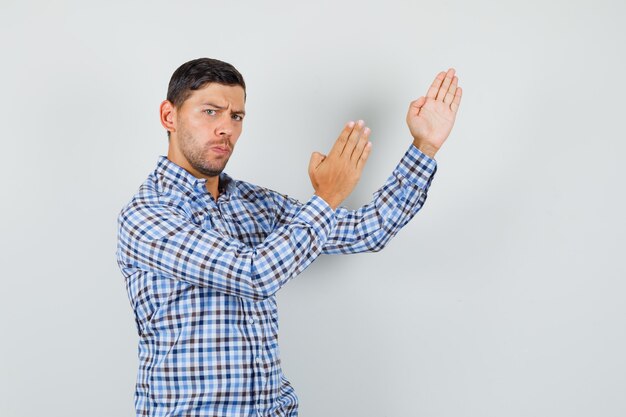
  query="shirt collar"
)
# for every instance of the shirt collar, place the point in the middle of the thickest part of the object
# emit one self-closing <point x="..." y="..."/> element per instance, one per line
<point x="169" y="172"/>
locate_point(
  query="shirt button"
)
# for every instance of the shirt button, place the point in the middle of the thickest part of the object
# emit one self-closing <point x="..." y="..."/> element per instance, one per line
<point x="258" y="360"/>
<point x="252" y="319"/>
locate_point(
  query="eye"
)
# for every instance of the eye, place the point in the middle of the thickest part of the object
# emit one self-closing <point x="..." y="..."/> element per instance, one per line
<point x="237" y="117"/>
<point x="210" y="112"/>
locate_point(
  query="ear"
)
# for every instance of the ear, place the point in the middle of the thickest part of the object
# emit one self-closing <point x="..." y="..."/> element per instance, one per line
<point x="168" y="115"/>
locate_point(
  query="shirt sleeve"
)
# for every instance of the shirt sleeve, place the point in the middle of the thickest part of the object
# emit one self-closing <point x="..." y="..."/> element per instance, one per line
<point x="158" y="238"/>
<point x="369" y="228"/>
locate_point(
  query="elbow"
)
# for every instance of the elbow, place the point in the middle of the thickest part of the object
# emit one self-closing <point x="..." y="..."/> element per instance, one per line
<point x="261" y="294"/>
<point x="379" y="242"/>
<point x="252" y="293"/>
<point x="263" y="287"/>
<point x="266" y="278"/>
<point x="381" y="239"/>
<point x="378" y="246"/>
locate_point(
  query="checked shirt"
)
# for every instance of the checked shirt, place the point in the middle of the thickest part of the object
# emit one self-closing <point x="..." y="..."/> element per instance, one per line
<point x="202" y="275"/>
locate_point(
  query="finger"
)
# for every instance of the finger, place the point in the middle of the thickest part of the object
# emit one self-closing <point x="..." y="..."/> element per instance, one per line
<point x="366" y="153"/>
<point x="340" y="143"/>
<point x="445" y="84"/>
<point x="451" y="91"/>
<point x="457" y="100"/>
<point x="434" y="87"/>
<point x="353" y="139"/>
<point x="363" y="141"/>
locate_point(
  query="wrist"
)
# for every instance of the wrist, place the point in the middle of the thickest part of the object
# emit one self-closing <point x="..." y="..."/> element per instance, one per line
<point x="329" y="200"/>
<point x="425" y="148"/>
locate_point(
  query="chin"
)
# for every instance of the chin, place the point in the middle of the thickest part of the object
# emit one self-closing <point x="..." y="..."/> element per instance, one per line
<point x="212" y="170"/>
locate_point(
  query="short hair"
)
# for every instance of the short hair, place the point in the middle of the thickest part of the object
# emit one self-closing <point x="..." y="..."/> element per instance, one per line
<point x="197" y="73"/>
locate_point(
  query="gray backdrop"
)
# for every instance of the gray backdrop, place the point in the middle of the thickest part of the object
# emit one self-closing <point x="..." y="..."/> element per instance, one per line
<point x="503" y="297"/>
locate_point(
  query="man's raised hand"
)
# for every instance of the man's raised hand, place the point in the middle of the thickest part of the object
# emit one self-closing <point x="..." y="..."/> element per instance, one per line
<point x="335" y="176"/>
<point x="431" y="117"/>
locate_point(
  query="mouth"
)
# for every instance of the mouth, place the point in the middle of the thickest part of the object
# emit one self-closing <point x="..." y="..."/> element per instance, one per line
<point x="220" y="150"/>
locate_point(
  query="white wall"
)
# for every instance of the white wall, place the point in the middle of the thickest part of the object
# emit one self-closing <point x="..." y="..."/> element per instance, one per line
<point x="503" y="297"/>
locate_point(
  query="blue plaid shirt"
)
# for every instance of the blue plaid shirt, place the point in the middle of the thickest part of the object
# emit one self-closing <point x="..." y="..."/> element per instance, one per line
<point x="202" y="276"/>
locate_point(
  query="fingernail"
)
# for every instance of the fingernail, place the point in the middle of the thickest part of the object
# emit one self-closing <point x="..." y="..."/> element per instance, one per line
<point x="361" y="123"/>
<point x="367" y="130"/>
<point x="351" y="124"/>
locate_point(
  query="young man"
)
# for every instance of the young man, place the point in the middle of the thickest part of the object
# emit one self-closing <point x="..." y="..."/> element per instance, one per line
<point x="203" y="254"/>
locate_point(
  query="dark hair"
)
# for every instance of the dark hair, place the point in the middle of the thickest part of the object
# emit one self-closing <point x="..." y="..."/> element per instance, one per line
<point x="197" y="73"/>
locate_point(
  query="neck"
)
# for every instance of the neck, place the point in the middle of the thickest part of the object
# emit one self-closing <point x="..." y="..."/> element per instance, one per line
<point x="212" y="183"/>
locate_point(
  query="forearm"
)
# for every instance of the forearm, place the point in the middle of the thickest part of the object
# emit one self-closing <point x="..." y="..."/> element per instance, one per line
<point x="179" y="250"/>
<point x="393" y="206"/>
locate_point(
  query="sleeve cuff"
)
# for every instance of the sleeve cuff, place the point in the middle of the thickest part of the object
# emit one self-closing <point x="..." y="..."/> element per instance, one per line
<point x="319" y="215"/>
<point x="417" y="167"/>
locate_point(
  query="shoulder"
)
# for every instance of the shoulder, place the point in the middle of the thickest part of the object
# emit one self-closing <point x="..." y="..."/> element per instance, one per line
<point x="153" y="207"/>
<point x="146" y="196"/>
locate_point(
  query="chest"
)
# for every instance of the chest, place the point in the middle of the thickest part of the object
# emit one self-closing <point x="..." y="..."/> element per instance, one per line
<point x="247" y="221"/>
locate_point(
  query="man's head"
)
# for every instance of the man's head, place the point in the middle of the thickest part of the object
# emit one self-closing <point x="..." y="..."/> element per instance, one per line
<point x="203" y="114"/>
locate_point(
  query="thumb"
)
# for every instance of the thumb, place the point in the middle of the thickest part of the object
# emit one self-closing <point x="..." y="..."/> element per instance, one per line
<point x="316" y="159"/>
<point x="419" y="102"/>
<point x="416" y="106"/>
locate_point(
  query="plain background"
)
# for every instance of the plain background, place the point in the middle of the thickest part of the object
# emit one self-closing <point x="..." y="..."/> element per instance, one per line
<point x="503" y="297"/>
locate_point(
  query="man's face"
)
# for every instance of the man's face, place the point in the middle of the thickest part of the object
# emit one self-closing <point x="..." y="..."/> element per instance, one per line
<point x="207" y="126"/>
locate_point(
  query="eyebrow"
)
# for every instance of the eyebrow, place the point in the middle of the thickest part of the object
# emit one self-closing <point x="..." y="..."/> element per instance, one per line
<point x="223" y="108"/>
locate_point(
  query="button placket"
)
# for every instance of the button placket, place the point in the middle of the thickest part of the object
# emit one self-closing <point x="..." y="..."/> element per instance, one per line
<point x="253" y="318"/>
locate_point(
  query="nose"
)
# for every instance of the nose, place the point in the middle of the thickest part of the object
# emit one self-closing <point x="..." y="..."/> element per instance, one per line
<point x="225" y="127"/>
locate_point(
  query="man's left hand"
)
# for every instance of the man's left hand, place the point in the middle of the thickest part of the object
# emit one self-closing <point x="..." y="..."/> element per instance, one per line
<point x="431" y="117"/>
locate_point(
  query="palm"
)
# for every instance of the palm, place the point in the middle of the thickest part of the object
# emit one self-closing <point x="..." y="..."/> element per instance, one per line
<point x="430" y="118"/>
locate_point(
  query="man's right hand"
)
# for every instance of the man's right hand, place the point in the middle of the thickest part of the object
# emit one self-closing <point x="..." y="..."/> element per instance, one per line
<point x="335" y="176"/>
